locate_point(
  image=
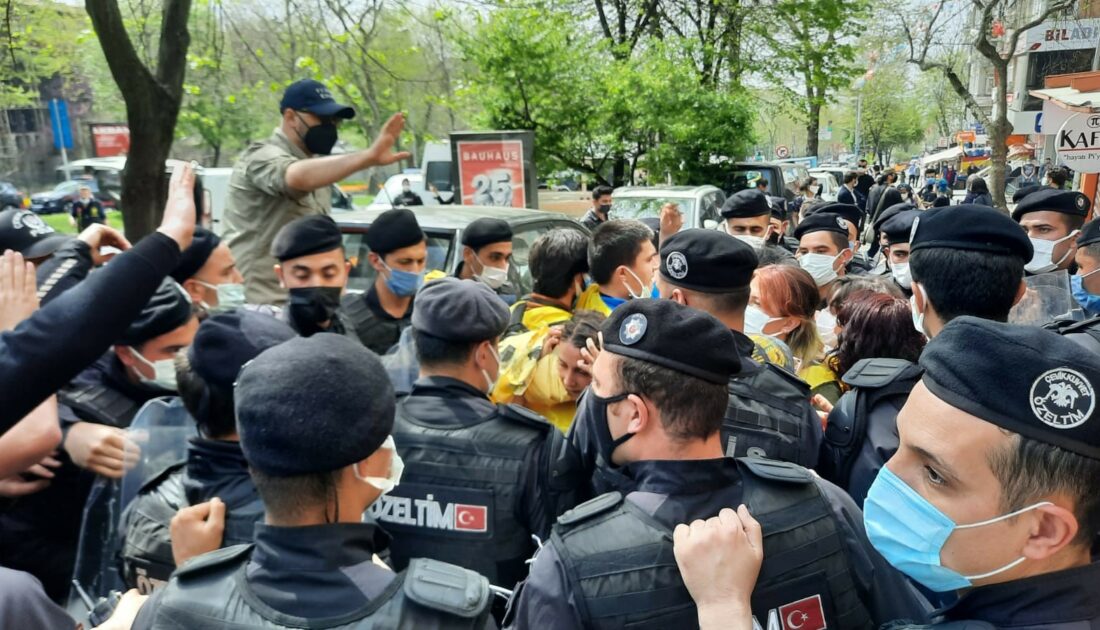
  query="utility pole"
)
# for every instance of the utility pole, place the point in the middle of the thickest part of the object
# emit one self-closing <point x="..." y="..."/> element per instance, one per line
<point x="859" y="124"/>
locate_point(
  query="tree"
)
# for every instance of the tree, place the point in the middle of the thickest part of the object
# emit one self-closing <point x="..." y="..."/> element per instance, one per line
<point x="811" y="42"/>
<point x="40" y="45"/>
<point x="929" y="30"/>
<point x="153" y="96"/>
<point x="891" y="118"/>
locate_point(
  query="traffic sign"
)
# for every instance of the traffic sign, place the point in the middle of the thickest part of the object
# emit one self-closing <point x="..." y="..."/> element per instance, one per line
<point x="782" y="151"/>
<point x="59" y="124"/>
<point x="1078" y="143"/>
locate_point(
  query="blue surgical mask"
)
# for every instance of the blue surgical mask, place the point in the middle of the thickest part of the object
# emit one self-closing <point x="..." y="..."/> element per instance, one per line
<point x="403" y="283"/>
<point x="1088" y="301"/>
<point x="910" y="533"/>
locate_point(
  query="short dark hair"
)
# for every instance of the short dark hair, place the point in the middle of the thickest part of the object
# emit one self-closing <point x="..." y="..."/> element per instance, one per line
<point x="210" y="406"/>
<point x="601" y="190"/>
<point x="963" y="282"/>
<point x="771" y="254"/>
<point x="850" y="176"/>
<point x="1073" y="221"/>
<point x="1058" y="176"/>
<point x="729" y="302"/>
<point x="584" y="325"/>
<point x="1030" y="470"/>
<point x="433" y="351"/>
<point x="838" y="239"/>
<point x="555" y="259"/>
<point x="1092" y="250"/>
<point x="290" y="497"/>
<point x="690" y="408"/>
<point x="613" y="244"/>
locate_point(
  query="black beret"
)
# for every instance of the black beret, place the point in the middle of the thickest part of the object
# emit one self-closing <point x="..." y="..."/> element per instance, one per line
<point x="779" y="208"/>
<point x="312" y="404"/>
<point x="707" y="260"/>
<point x="394" y="229"/>
<point x="1090" y="233"/>
<point x="1023" y="192"/>
<point x="890" y="211"/>
<point x="846" y="211"/>
<point x="306" y="236"/>
<point x="459" y="311"/>
<point x="747" y="203"/>
<point x="167" y="310"/>
<point x="227" y="341"/>
<point x="821" y="222"/>
<point x="970" y="227"/>
<point x="898" y="227"/>
<point x="486" y="231"/>
<point x="194" y="257"/>
<point x="671" y="335"/>
<point x="1049" y="395"/>
<point x="1068" y="202"/>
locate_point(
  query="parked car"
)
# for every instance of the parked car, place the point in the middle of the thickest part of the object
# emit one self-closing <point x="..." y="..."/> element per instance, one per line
<point x="12" y="197"/>
<point x="392" y="190"/>
<point x="829" y="186"/>
<point x="700" y="205"/>
<point x="64" y="194"/>
<point x="782" y="178"/>
<point x="443" y="226"/>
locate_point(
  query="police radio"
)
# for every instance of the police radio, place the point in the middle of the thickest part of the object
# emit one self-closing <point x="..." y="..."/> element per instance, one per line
<point x="98" y="612"/>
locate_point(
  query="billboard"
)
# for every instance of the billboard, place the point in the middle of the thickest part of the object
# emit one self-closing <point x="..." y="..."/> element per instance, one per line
<point x="495" y="168"/>
<point x="109" y="140"/>
<point x="1061" y="34"/>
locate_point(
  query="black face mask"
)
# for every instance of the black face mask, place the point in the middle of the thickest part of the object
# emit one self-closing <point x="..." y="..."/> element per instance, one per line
<point x="605" y="208"/>
<point x="605" y="442"/>
<point x="319" y="139"/>
<point x="308" y="307"/>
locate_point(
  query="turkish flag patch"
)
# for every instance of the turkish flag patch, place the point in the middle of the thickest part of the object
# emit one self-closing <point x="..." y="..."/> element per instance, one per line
<point x="805" y="614"/>
<point x="471" y="518"/>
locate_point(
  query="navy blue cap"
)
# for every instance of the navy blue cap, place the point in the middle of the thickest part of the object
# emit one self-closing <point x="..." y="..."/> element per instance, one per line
<point x="674" y="336"/>
<point x="1090" y="233"/>
<point x="167" y="310"/>
<point x="226" y="341"/>
<point x="847" y="211"/>
<point x="1068" y="202"/>
<point x="1049" y="395"/>
<point x="970" y="227"/>
<point x="898" y="227"/>
<point x="707" y="260"/>
<point x="306" y="236"/>
<point x="459" y="311"/>
<point x="194" y="257"/>
<point x="821" y="222"/>
<point x="312" y="96"/>
<point x="745" y="204"/>
<point x="312" y="404"/>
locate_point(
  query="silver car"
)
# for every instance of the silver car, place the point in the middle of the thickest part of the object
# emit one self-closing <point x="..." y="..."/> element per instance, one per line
<point x="700" y="205"/>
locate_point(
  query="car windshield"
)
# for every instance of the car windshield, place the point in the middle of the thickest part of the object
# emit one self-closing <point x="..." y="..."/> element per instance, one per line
<point x="642" y="207"/>
<point x="362" y="273"/>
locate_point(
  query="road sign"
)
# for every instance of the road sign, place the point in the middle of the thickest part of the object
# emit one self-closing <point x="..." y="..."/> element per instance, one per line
<point x="782" y="151"/>
<point x="59" y="124"/>
<point x="1078" y="143"/>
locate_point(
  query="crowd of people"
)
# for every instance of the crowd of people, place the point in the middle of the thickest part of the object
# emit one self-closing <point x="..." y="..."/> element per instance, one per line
<point x="815" y="416"/>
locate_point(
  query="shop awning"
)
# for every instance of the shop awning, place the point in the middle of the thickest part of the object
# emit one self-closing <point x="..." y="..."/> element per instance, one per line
<point x="951" y="154"/>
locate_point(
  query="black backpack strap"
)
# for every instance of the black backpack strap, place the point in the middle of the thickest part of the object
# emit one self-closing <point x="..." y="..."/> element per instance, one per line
<point x="515" y="319"/>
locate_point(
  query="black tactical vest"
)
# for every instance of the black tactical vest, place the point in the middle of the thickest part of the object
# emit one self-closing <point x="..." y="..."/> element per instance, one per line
<point x="805" y="576"/>
<point x="100" y="404"/>
<point x="146" y="551"/>
<point x="1085" y="333"/>
<point x="769" y="415"/>
<point x="212" y="592"/>
<point x="459" y="498"/>
<point x="375" y="333"/>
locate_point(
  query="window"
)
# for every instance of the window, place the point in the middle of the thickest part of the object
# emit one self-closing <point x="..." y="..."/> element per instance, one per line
<point x="642" y="207"/>
<point x="1042" y="64"/>
<point x="362" y="274"/>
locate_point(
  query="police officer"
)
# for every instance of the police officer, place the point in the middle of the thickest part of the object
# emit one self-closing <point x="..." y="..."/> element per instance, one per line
<point x="781" y="222"/>
<point x="661" y="384"/>
<point x="895" y="233"/>
<point x="747" y="215"/>
<point x="823" y="249"/>
<point x="993" y="490"/>
<point x="399" y="257"/>
<point x="480" y="479"/>
<point x="486" y="256"/>
<point x="964" y="260"/>
<point x="289" y="176"/>
<point x="314" y="416"/>
<point x="884" y="216"/>
<point x="854" y="218"/>
<point x="209" y="274"/>
<point x="1085" y="287"/>
<point x="40" y="531"/>
<point x="313" y="267"/>
<point x="1052" y="219"/>
<point x="215" y="465"/>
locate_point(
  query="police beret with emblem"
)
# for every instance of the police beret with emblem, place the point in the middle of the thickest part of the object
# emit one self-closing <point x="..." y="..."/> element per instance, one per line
<point x="1025" y="191"/>
<point x="1090" y="233"/>
<point x="707" y="260"/>
<point x="167" y="310"/>
<point x="1068" y="202"/>
<point x="312" y="404"/>
<point x="745" y="204"/>
<point x="392" y="230"/>
<point x="970" y="227"/>
<point x="226" y="341"/>
<point x="890" y="211"/>
<point x="306" y="236"/>
<point x="486" y="231"/>
<point x="25" y="232"/>
<point x="674" y="336"/>
<point x="195" y="256"/>
<point x="1049" y="395"/>
<point x="898" y="227"/>
<point x="459" y="311"/>
<point x="821" y="222"/>
<point x="847" y="211"/>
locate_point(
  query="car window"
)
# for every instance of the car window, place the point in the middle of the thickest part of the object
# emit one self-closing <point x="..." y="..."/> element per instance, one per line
<point x="362" y="274"/>
<point x="523" y="236"/>
<point x="710" y="207"/>
<point x="642" y="207"/>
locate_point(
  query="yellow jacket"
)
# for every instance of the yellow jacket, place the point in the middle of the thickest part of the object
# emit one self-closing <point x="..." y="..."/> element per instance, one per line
<point x="590" y="300"/>
<point x="525" y="374"/>
<point x="538" y="316"/>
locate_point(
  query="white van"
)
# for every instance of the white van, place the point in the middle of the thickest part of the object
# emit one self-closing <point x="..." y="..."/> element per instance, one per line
<point x="435" y="165"/>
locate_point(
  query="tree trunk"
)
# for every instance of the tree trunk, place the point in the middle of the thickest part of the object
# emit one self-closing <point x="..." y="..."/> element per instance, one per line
<point x="998" y="140"/>
<point x="813" y="125"/>
<point x="618" y="170"/>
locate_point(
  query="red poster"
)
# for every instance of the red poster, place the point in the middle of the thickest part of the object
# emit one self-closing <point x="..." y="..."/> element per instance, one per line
<point x="110" y="140"/>
<point x="490" y="173"/>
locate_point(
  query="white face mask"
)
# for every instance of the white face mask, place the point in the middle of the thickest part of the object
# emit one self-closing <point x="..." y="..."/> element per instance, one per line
<point x="397" y="467"/>
<point x="820" y="266"/>
<point x="230" y="296"/>
<point x="755" y="242"/>
<point x="641" y="292"/>
<point x="900" y="272"/>
<point x="164" y="371"/>
<point x="918" y="316"/>
<point x="757" y="320"/>
<point x="826" y="327"/>
<point x="492" y="381"/>
<point x="1043" y="260"/>
<point x="491" y="277"/>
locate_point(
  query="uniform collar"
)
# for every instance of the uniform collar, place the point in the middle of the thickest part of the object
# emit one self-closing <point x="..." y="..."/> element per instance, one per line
<point x="316" y="547"/>
<point x="1048" y="599"/>
<point x="217" y="468"/>
<point x="445" y="386"/>
<point x="746" y="347"/>
<point x="680" y="477"/>
<point x="373" y="303"/>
